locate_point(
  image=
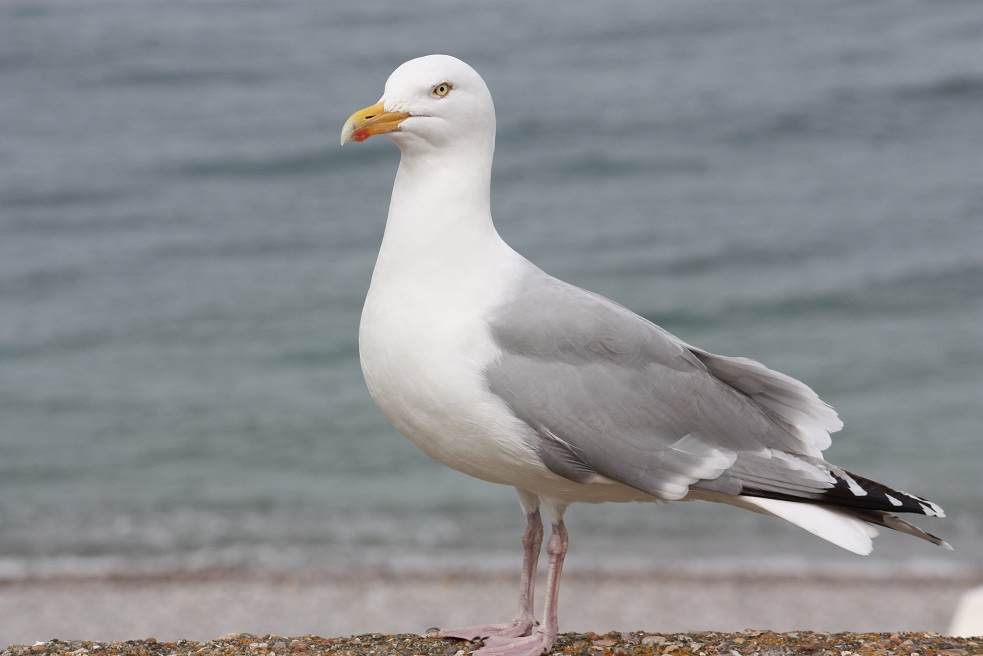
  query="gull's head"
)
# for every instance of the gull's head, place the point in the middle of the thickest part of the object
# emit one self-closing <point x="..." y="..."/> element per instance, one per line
<point x="432" y="101"/>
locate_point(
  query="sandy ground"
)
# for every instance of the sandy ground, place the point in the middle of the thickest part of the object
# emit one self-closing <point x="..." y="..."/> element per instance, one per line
<point x="202" y="608"/>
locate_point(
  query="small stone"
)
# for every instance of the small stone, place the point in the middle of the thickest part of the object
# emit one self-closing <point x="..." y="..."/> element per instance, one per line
<point x="297" y="646"/>
<point x="604" y="642"/>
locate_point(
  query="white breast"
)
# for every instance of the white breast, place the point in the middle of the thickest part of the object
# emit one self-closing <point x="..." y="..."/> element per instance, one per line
<point x="424" y="345"/>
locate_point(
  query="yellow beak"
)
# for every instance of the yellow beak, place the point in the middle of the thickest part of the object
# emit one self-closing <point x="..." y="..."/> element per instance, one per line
<point x="369" y="122"/>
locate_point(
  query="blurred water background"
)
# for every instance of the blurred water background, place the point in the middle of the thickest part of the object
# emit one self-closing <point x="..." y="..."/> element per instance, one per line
<point x="184" y="250"/>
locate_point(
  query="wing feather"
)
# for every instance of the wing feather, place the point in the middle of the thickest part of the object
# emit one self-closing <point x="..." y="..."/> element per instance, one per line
<point x="608" y="392"/>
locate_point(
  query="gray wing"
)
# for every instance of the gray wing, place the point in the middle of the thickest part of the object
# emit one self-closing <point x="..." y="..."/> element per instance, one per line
<point x="610" y="393"/>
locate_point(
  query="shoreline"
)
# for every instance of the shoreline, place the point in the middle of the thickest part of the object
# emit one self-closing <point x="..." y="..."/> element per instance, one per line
<point x="201" y="606"/>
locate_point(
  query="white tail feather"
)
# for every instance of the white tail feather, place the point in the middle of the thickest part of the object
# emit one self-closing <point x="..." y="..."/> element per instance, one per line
<point x="838" y="527"/>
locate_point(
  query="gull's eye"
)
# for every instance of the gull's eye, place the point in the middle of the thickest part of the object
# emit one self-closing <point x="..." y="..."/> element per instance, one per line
<point x="442" y="89"/>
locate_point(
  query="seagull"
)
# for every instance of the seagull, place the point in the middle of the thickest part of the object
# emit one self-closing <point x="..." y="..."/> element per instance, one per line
<point x="500" y="371"/>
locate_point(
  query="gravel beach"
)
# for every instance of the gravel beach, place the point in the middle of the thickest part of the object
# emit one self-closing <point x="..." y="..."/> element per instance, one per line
<point x="640" y="643"/>
<point x="201" y="607"/>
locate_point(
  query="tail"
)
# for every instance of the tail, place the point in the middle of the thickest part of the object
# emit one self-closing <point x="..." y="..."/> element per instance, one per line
<point x="846" y="514"/>
<point x="850" y="528"/>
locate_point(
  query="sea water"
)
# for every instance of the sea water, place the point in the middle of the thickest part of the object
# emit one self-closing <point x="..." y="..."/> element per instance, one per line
<point x="184" y="250"/>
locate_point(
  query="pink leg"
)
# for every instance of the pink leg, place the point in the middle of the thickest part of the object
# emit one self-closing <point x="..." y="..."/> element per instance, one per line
<point x="543" y="640"/>
<point x="532" y="540"/>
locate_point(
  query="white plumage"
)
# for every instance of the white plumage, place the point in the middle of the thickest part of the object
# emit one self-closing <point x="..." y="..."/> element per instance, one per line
<point x="500" y="371"/>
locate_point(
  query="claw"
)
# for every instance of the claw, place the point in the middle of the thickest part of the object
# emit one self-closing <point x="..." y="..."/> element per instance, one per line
<point x="483" y="632"/>
<point x="535" y="645"/>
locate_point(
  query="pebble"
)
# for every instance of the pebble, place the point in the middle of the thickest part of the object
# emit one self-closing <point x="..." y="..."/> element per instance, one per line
<point x="803" y="643"/>
<point x="229" y="637"/>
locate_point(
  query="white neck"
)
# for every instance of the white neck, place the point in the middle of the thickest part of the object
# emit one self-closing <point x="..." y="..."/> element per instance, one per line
<point x="440" y="214"/>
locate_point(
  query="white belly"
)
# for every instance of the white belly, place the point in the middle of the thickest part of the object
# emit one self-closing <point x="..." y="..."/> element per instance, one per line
<point x="423" y="350"/>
